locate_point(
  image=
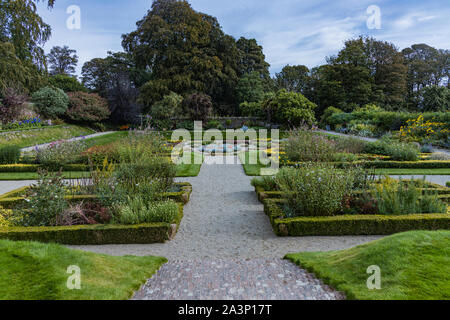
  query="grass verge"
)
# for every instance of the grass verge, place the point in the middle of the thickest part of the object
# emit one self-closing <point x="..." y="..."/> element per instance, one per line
<point x="414" y="266"/>
<point x="45" y="135"/>
<point x="34" y="271"/>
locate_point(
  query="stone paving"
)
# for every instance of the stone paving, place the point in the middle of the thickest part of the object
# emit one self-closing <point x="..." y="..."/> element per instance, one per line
<point x="259" y="279"/>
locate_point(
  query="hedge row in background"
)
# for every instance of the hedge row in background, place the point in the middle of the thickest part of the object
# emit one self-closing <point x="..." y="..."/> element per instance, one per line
<point x="350" y="225"/>
<point x="388" y="164"/>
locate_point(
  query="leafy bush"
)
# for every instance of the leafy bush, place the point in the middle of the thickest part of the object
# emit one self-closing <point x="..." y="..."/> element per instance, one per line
<point x="87" y="107"/>
<point x="404" y="197"/>
<point x="436" y="98"/>
<point x="9" y="154"/>
<point x="66" y="83"/>
<point x="169" y="107"/>
<point x="251" y="109"/>
<point x="350" y="145"/>
<point x="315" y="189"/>
<point x="290" y="108"/>
<point x="198" y="106"/>
<point x="402" y="151"/>
<point x="267" y="183"/>
<point x="324" y="121"/>
<point x="51" y="102"/>
<point x="440" y="156"/>
<point x="305" y="145"/>
<point x="60" y="153"/>
<point x="11" y="104"/>
<point x="138" y="211"/>
<point x="44" y="202"/>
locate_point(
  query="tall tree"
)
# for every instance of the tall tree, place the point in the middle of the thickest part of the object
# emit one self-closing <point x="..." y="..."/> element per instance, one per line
<point x="116" y="79"/>
<point x="293" y="78"/>
<point x="62" y="60"/>
<point x="185" y="51"/>
<point x="252" y="58"/>
<point x="250" y="88"/>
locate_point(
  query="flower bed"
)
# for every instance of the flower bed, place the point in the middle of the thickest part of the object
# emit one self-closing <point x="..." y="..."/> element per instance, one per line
<point x="350" y="224"/>
<point x="96" y="234"/>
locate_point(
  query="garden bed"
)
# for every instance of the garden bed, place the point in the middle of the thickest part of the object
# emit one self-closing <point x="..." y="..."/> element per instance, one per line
<point x="350" y="224"/>
<point x="97" y="234"/>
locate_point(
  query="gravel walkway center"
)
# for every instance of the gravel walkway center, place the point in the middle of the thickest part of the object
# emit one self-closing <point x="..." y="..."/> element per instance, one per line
<point x="226" y="246"/>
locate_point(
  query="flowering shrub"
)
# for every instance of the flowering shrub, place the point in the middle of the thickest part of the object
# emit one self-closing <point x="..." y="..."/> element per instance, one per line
<point x="86" y="107"/>
<point x="60" y="153"/>
<point x="422" y="130"/>
<point x="315" y="189"/>
<point x="24" y="124"/>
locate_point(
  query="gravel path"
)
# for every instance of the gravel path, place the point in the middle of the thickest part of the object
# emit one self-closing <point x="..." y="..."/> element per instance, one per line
<point x="225" y="220"/>
<point x="259" y="279"/>
<point x="46" y="145"/>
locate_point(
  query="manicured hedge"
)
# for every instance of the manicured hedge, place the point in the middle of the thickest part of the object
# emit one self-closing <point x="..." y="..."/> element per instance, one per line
<point x="96" y="234"/>
<point x="351" y="225"/>
<point x="13" y="198"/>
<point x="36" y="167"/>
<point x="388" y="164"/>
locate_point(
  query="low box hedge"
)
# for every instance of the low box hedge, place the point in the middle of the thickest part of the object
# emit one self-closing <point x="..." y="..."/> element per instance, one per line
<point x="13" y="198"/>
<point x="20" y="168"/>
<point x="96" y="234"/>
<point x="350" y="225"/>
<point x="387" y="164"/>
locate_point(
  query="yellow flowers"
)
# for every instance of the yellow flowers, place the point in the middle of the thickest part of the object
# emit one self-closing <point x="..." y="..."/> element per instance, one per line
<point x="419" y="129"/>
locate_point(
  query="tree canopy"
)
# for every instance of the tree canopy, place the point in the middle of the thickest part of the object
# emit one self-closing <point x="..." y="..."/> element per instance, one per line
<point x="62" y="60"/>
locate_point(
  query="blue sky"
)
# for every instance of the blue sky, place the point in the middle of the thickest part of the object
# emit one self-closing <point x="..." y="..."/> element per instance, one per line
<point x="291" y="31"/>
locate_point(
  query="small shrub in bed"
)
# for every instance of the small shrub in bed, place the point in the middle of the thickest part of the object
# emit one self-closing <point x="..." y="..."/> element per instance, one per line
<point x="404" y="197"/>
<point x="51" y="102"/>
<point x="440" y="156"/>
<point x="398" y="151"/>
<point x="307" y="146"/>
<point x="267" y="183"/>
<point x="137" y="211"/>
<point x="60" y="153"/>
<point x="314" y="189"/>
<point x="87" y="107"/>
<point x="9" y="154"/>
<point x="350" y="145"/>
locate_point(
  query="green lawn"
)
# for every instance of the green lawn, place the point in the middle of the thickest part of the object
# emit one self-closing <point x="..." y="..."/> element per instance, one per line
<point x="414" y="266"/>
<point x="17" y="176"/>
<point x="190" y="170"/>
<point x="45" y="135"/>
<point x="250" y="169"/>
<point x="106" y="139"/>
<point x="34" y="271"/>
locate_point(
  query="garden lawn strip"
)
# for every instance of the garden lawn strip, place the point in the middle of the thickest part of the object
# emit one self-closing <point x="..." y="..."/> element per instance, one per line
<point x="83" y="137"/>
<point x="414" y="266"/>
<point x="34" y="271"/>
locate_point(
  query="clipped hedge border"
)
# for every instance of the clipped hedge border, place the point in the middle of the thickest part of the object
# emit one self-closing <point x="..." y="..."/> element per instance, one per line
<point x="350" y="225"/>
<point x="96" y="234"/>
<point x="386" y="164"/>
<point x="11" y="199"/>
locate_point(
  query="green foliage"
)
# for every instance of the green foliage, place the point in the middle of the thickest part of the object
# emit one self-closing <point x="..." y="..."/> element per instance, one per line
<point x="168" y="108"/>
<point x="51" y="102"/>
<point x="198" y="107"/>
<point x="250" y="88"/>
<point x="9" y="154"/>
<point x="314" y="189"/>
<point x="251" y="109"/>
<point x="66" y="83"/>
<point x="59" y="154"/>
<point x="63" y="60"/>
<point x="40" y="273"/>
<point x="405" y="197"/>
<point x="44" y="202"/>
<point x="305" y="145"/>
<point x="137" y="211"/>
<point x="414" y="265"/>
<point x="398" y="151"/>
<point x="266" y="183"/>
<point x="290" y="108"/>
<point x="330" y="111"/>
<point x="293" y="78"/>
<point x="87" y="107"/>
<point x="436" y="99"/>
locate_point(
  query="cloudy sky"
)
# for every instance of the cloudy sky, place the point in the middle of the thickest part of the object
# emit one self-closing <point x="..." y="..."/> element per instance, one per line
<point x="291" y="31"/>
